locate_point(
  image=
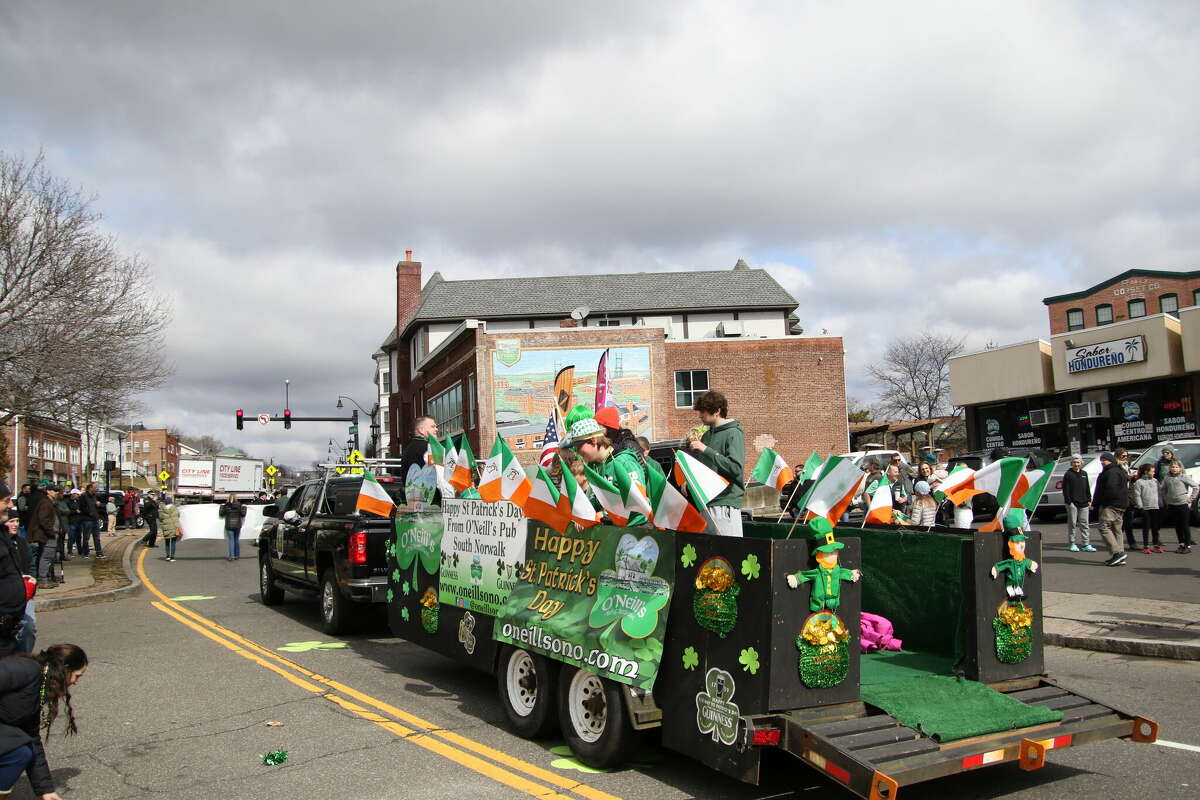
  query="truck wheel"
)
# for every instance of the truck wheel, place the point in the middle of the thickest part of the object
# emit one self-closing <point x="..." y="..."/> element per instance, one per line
<point x="526" y="684"/>
<point x="594" y="720"/>
<point x="270" y="594"/>
<point x="333" y="605"/>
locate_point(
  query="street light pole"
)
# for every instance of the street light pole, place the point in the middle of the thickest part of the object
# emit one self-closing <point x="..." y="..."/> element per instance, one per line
<point x="353" y="415"/>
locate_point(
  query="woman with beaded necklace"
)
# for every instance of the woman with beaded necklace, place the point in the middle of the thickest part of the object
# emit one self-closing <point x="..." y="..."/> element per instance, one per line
<point x="31" y="689"/>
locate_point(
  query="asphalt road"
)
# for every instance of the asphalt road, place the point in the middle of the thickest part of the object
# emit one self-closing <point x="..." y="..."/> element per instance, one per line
<point x="171" y="709"/>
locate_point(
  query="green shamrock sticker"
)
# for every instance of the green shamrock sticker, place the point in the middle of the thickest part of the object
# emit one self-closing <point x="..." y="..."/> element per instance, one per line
<point x="568" y="761"/>
<point x="419" y="538"/>
<point x="688" y="557"/>
<point x="302" y="647"/>
<point x="631" y="594"/>
<point x="405" y="588"/>
<point x="391" y="595"/>
<point x="404" y="615"/>
<point x="715" y="711"/>
<point x="691" y="659"/>
<point x="750" y="566"/>
<point x="395" y="576"/>
<point x="749" y="660"/>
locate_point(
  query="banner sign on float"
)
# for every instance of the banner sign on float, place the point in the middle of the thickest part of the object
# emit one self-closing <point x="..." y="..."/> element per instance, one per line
<point x="483" y="550"/>
<point x="596" y="598"/>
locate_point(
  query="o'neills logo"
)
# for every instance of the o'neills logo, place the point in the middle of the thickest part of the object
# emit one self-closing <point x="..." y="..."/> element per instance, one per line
<point x="1106" y="354"/>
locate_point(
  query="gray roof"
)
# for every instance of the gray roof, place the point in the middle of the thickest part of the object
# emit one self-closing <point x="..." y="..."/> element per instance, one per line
<point x="622" y="293"/>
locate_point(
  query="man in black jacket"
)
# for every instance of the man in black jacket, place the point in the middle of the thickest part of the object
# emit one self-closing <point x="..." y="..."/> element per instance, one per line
<point x="12" y="584"/>
<point x="150" y="516"/>
<point x="91" y="509"/>
<point x="1111" y="498"/>
<point x="1077" y="497"/>
<point x="426" y="428"/>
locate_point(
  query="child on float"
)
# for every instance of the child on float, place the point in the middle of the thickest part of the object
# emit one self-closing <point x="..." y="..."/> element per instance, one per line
<point x="1145" y="497"/>
<point x="925" y="506"/>
<point x="587" y="438"/>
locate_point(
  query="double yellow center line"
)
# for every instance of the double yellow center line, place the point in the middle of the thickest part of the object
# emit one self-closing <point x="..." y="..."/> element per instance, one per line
<point x="473" y="755"/>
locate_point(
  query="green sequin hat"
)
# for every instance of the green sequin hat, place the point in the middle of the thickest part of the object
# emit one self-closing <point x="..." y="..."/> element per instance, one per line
<point x="1018" y="537"/>
<point x="821" y="530"/>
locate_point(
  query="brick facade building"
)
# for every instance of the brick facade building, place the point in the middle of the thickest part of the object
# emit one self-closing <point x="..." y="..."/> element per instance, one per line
<point x="40" y="448"/>
<point x="1133" y="294"/>
<point x="148" y="452"/>
<point x="481" y="356"/>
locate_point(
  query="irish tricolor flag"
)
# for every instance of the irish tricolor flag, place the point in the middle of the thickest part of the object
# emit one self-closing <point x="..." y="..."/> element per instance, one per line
<point x="546" y="504"/>
<point x="449" y="462"/>
<point x="581" y="511"/>
<point x="633" y="494"/>
<point x="502" y="477"/>
<point x="703" y="484"/>
<point x="811" y="466"/>
<point x="672" y="511"/>
<point x="772" y="470"/>
<point x="464" y="467"/>
<point x="1000" y="479"/>
<point x="609" y="496"/>
<point x="1032" y="485"/>
<point x="958" y="486"/>
<point x="435" y="454"/>
<point x="372" y="497"/>
<point x="880" y="509"/>
<point x="834" y="489"/>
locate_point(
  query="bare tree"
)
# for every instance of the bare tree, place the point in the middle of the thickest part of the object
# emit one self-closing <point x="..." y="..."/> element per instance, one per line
<point x="857" y="411"/>
<point x="914" y="377"/>
<point x="81" y="328"/>
<point x="207" y="445"/>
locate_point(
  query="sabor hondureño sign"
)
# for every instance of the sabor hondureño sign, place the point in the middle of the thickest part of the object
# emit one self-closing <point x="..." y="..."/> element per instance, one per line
<point x="1106" y="354"/>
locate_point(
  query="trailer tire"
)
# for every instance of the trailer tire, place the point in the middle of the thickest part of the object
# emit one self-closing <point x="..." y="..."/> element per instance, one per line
<point x="594" y="719"/>
<point x="526" y="685"/>
<point x="268" y="591"/>
<point x="333" y="605"/>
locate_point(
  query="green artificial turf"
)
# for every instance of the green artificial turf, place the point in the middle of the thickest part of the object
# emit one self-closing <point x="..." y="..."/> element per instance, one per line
<point x="895" y="665"/>
<point x="948" y="709"/>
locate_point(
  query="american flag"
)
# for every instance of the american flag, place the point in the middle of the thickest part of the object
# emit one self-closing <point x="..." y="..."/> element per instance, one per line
<point x="550" y="442"/>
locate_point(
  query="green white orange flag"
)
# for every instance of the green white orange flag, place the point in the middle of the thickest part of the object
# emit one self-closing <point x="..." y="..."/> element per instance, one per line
<point x="633" y="494"/>
<point x="811" y="466"/>
<point x="435" y="454"/>
<point x="1032" y="486"/>
<point x="772" y="470"/>
<point x="608" y="496"/>
<point x="464" y="467"/>
<point x="1000" y="479"/>
<point x="546" y="504"/>
<point x="372" y="497"/>
<point x="502" y="477"/>
<point x="880" y="509"/>
<point x="703" y="484"/>
<point x="449" y="462"/>
<point x="672" y="511"/>
<point x="958" y="486"/>
<point x="834" y="489"/>
<point x="580" y="508"/>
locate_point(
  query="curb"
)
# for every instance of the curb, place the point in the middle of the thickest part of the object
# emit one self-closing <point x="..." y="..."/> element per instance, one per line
<point x="1147" y="648"/>
<point x="104" y="596"/>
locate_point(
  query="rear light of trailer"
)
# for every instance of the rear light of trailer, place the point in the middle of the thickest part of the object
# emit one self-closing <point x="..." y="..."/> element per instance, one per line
<point x="766" y="736"/>
<point x="358" y="547"/>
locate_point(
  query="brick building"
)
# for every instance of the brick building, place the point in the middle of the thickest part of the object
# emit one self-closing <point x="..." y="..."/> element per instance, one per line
<point x="40" y="448"/>
<point x="149" y="451"/>
<point x="480" y="356"/>
<point x="1121" y="369"/>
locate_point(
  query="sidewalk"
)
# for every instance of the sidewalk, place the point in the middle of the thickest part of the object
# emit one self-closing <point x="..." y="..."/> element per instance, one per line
<point x="1129" y="625"/>
<point x="91" y="580"/>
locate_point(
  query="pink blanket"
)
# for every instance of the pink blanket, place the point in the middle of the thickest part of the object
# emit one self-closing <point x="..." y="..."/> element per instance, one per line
<point x="876" y="633"/>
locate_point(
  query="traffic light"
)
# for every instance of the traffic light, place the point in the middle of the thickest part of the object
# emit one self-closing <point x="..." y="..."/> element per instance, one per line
<point x="287" y="419"/>
<point x="239" y="416"/>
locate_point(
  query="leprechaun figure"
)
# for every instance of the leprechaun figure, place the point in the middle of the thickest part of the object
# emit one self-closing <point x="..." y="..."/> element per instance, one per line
<point x="1015" y="567"/>
<point x="827" y="577"/>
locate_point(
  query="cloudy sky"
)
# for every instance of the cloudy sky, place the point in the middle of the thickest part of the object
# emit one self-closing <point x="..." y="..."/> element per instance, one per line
<point x="898" y="166"/>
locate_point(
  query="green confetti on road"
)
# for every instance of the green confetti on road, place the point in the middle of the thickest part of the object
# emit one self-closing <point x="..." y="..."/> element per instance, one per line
<point x="302" y="647"/>
<point x="569" y="761"/>
<point x="184" y="597"/>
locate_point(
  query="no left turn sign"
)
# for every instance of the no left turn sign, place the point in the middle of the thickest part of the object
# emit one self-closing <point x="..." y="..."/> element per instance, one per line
<point x="263" y="419"/>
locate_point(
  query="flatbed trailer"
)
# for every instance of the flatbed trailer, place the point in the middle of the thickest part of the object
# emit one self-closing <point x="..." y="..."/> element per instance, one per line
<point x="727" y="691"/>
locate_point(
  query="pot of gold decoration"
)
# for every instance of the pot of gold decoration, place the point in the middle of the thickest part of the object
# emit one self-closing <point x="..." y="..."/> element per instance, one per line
<point x="429" y="610"/>
<point x="715" y="603"/>
<point x="1013" y="625"/>
<point x="824" y="652"/>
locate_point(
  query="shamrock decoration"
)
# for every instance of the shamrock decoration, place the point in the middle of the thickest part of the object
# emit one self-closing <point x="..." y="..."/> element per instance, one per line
<point x="419" y="538"/>
<point x="630" y="593"/>
<point x="715" y="712"/>
<point x="391" y="595"/>
<point x="404" y="615"/>
<point x="395" y="576"/>
<point x="691" y="659"/>
<point x="749" y="660"/>
<point x="301" y="647"/>
<point x="688" y="556"/>
<point x="750" y="566"/>
<point x="405" y="588"/>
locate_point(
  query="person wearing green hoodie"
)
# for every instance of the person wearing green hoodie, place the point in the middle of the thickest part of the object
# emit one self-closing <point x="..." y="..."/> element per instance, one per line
<point x="722" y="449"/>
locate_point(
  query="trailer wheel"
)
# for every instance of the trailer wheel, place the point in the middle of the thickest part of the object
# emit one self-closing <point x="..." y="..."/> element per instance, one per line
<point x="333" y="605"/>
<point x="594" y="720"/>
<point x="270" y="594"/>
<point x="526" y="684"/>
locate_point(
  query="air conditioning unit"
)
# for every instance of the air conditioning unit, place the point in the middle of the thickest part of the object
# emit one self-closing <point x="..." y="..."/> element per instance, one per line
<point x="1086" y="410"/>
<point x="730" y="328"/>
<point x="1045" y="416"/>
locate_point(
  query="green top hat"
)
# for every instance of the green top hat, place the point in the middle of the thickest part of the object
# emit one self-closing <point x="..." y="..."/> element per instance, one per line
<point x="1014" y="519"/>
<point x="822" y="531"/>
<point x="1018" y="537"/>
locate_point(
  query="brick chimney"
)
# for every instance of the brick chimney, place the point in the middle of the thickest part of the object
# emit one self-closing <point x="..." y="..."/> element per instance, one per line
<point x="408" y="290"/>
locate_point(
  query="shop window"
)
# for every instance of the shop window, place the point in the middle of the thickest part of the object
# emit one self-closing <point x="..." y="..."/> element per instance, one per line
<point x="446" y="409"/>
<point x="1137" y="308"/>
<point x="1104" y="314"/>
<point x="1075" y="319"/>
<point x="689" y="385"/>
<point x="1168" y="303"/>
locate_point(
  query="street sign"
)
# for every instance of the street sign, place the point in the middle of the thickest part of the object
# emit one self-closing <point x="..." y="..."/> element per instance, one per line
<point x="164" y="476"/>
<point x="164" y="487"/>
<point x="271" y="469"/>
<point x="271" y="481"/>
<point x="263" y="419"/>
<point x="355" y="457"/>
<point x="353" y="429"/>
<point x="340" y="470"/>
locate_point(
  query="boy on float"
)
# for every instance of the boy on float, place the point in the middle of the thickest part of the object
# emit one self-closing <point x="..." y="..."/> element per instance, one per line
<point x="588" y="439"/>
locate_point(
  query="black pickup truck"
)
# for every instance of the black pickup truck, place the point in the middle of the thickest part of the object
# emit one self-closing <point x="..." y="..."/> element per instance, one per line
<point x="317" y="542"/>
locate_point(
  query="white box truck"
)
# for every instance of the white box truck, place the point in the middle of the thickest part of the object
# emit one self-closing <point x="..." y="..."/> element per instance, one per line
<point x="207" y="479"/>
<point x="195" y="478"/>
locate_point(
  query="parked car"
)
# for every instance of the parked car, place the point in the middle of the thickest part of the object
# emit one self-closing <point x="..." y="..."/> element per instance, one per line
<point x="881" y="457"/>
<point x="1188" y="453"/>
<point x="1052" y="504"/>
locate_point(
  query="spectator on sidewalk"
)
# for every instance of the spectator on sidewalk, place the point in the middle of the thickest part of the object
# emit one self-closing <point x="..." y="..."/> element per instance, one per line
<point x="171" y="530"/>
<point x="44" y="528"/>
<point x="32" y="688"/>
<point x="90" y="512"/>
<point x="1162" y="467"/>
<point x="722" y="449"/>
<point x="1111" y="498"/>
<point x="23" y="508"/>
<point x="110" y="510"/>
<point x="26" y="634"/>
<point x="74" y="523"/>
<point x="1145" y="495"/>
<point x="150" y="516"/>
<point x="12" y="581"/>
<point x="1127" y="521"/>
<point x="1178" y="493"/>
<point x="233" y="512"/>
<point x="1077" y="497"/>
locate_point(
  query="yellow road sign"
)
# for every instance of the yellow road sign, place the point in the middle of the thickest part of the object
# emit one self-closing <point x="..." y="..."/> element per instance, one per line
<point x="340" y="470"/>
<point x="164" y="476"/>
<point x="271" y="470"/>
<point x="355" y="457"/>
